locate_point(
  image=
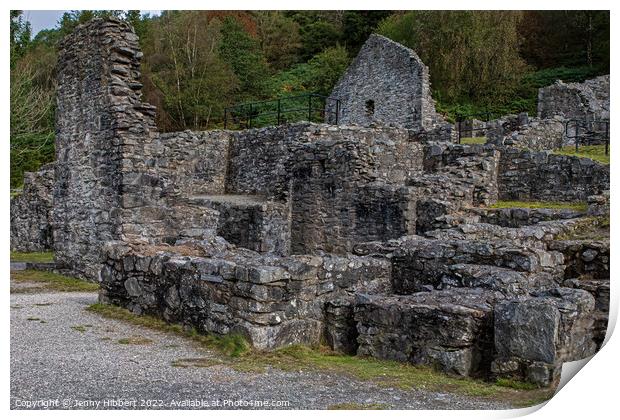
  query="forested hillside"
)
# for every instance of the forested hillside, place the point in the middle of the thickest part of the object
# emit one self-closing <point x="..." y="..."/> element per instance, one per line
<point x="196" y="63"/>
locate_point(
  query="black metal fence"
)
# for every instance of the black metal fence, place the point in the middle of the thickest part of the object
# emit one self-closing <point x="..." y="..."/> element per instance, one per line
<point x="587" y="132"/>
<point x="308" y="107"/>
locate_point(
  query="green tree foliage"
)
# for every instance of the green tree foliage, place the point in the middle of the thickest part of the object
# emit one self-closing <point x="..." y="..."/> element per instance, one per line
<point x="279" y="39"/>
<point x="472" y="55"/>
<point x="566" y="38"/>
<point x="31" y="132"/>
<point x="243" y="54"/>
<point x="183" y="72"/>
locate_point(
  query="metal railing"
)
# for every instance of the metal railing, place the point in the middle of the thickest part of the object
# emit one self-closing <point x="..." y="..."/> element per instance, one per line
<point x="587" y="132"/>
<point x="310" y="107"/>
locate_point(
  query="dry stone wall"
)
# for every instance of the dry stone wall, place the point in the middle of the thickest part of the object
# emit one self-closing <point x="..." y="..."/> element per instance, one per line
<point x="589" y="99"/>
<point x="543" y="176"/>
<point x="523" y="132"/>
<point x="31" y="227"/>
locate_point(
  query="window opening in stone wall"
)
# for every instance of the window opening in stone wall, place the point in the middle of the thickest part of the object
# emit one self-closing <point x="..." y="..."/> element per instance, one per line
<point x="370" y="107"/>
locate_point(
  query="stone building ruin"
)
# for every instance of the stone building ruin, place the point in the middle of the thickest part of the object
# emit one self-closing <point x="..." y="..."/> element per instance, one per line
<point x="387" y="84"/>
<point x="374" y="235"/>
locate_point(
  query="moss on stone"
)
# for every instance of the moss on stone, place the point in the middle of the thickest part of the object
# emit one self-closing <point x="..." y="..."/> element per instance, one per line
<point x="52" y="281"/>
<point x="33" y="257"/>
<point x="578" y="206"/>
<point x="595" y="152"/>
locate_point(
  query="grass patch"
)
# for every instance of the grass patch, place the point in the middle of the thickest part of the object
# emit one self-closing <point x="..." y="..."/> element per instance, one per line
<point x="230" y="345"/>
<point x="80" y="328"/>
<point x="52" y="281"/>
<point x="135" y="340"/>
<point x="595" y="152"/>
<point x="514" y="384"/>
<point x="558" y="205"/>
<point x="236" y="354"/>
<point x="32" y="318"/>
<point x="34" y="257"/>
<point x="358" y="406"/>
<point x="473" y="140"/>
<point x="589" y="228"/>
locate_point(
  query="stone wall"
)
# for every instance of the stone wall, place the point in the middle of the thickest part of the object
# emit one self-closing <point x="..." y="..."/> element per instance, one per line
<point x="112" y="180"/>
<point x="96" y="63"/>
<point x="191" y="163"/>
<point x="589" y="99"/>
<point x="31" y="226"/>
<point x="321" y="171"/>
<point x="271" y="301"/>
<point x="543" y="176"/>
<point x="387" y="84"/>
<point x="523" y="132"/>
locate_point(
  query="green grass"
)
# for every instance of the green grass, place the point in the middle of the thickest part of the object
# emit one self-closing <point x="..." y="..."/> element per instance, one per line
<point x="52" y="281"/>
<point x="596" y="152"/>
<point x="473" y="140"/>
<point x="34" y="257"/>
<point x="230" y="345"/>
<point x="80" y="328"/>
<point x="236" y="353"/>
<point x="578" y="206"/>
<point x="514" y="384"/>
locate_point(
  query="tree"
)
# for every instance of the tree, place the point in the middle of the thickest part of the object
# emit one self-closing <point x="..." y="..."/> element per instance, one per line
<point x="31" y="126"/>
<point x="243" y="54"/>
<point x="20" y="35"/>
<point x="279" y="39"/>
<point x="183" y="73"/>
<point x="472" y="55"/>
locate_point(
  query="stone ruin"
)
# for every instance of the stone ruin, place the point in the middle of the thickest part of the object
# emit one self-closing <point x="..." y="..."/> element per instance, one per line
<point x="560" y="107"/>
<point x="387" y="84"/>
<point x="374" y="236"/>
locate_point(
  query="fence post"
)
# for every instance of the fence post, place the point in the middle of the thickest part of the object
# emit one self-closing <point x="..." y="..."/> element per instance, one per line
<point x="337" y="110"/>
<point x="310" y="108"/>
<point x="278" y="111"/>
<point x="459" y="120"/>
<point x="606" y="138"/>
<point x="577" y="137"/>
<point x="225" y="118"/>
<point x="250" y="117"/>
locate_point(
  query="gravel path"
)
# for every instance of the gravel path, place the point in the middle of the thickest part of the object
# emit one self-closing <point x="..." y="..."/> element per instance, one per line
<point x="65" y="357"/>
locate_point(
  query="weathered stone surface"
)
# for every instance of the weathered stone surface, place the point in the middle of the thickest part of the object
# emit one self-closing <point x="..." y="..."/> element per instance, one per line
<point x="448" y="329"/>
<point x="584" y="258"/>
<point x="419" y="263"/>
<point x="535" y="335"/>
<point x="522" y="132"/>
<point x="31" y="225"/>
<point x="525" y="175"/>
<point x="387" y="84"/>
<point x="575" y="100"/>
<point x="274" y="301"/>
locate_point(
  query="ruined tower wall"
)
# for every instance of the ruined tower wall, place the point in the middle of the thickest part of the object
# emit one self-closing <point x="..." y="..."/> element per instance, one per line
<point x="87" y="197"/>
<point x="387" y="84"/>
<point x="107" y="183"/>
